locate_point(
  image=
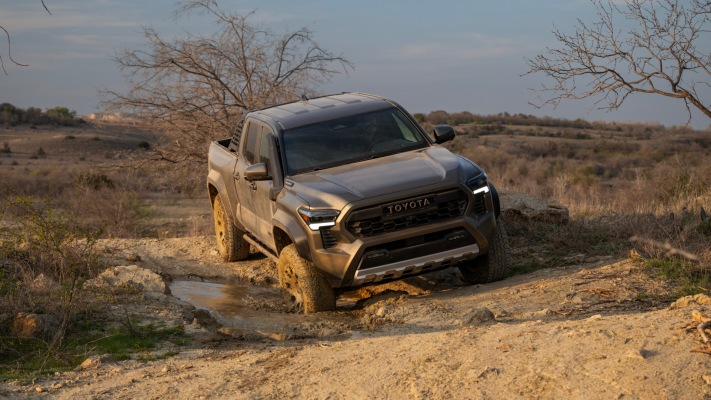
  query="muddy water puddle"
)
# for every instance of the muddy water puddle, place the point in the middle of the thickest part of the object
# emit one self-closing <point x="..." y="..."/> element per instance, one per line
<point x="251" y="308"/>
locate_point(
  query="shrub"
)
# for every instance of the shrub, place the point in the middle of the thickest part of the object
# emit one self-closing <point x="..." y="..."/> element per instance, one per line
<point x="41" y="242"/>
<point x="94" y="180"/>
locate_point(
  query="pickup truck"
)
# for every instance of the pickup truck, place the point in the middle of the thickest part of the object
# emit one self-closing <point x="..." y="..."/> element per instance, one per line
<point x="349" y="190"/>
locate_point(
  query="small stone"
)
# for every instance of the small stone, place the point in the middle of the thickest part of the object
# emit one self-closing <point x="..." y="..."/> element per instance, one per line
<point x="542" y="313"/>
<point x="478" y="316"/>
<point x="39" y="389"/>
<point x="96" y="361"/>
<point x="707" y="379"/>
<point x="133" y="257"/>
<point x="639" y="354"/>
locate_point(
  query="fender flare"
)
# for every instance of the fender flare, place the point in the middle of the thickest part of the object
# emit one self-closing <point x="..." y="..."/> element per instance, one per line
<point x="216" y="187"/>
<point x="283" y="221"/>
<point x="495" y="200"/>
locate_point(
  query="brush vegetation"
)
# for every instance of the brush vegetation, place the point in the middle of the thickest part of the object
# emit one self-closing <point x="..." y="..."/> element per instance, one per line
<point x="618" y="180"/>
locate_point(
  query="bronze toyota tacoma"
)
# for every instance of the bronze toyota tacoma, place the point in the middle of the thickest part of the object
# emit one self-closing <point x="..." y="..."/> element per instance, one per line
<point x="347" y="190"/>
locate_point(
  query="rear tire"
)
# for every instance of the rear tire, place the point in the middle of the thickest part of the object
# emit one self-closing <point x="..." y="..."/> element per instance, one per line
<point x="309" y="291"/>
<point x="494" y="265"/>
<point x="231" y="245"/>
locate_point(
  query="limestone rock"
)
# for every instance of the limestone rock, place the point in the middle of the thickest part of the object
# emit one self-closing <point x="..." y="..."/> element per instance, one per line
<point x="96" y="361"/>
<point x="478" y="316"/>
<point x="148" y="280"/>
<point x="695" y="300"/>
<point x="43" y="283"/>
<point x="27" y="325"/>
<point x="516" y="206"/>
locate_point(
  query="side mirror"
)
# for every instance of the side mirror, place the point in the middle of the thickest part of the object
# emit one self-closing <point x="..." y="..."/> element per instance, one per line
<point x="256" y="172"/>
<point x="443" y="133"/>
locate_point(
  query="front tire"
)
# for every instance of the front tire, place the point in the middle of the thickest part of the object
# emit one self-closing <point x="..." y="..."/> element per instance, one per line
<point x="493" y="266"/>
<point x="231" y="245"/>
<point x="309" y="291"/>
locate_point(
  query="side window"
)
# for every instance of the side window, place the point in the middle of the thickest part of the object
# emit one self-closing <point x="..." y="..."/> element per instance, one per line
<point x="234" y="142"/>
<point x="264" y="149"/>
<point x="250" y="147"/>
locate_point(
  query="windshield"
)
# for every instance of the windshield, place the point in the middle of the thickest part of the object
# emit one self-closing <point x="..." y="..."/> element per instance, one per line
<point x="349" y="139"/>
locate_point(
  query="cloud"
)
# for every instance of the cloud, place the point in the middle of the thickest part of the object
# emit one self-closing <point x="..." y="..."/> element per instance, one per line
<point x="27" y="20"/>
<point x="419" y="50"/>
<point x="82" y="40"/>
<point x="462" y="46"/>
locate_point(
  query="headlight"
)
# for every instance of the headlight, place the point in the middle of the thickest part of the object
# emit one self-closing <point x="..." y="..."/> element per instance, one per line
<point x="317" y="219"/>
<point x="479" y="185"/>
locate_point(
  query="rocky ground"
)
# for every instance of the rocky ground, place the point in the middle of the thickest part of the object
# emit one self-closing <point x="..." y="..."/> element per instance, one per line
<point x="592" y="330"/>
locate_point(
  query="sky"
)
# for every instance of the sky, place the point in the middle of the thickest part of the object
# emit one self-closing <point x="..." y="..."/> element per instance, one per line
<point x="452" y="55"/>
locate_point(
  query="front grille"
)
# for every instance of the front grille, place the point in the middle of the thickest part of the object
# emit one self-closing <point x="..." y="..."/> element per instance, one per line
<point x="373" y="221"/>
<point x="416" y="246"/>
<point x="327" y="238"/>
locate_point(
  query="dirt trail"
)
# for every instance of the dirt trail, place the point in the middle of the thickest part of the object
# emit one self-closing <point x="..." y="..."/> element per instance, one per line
<point x="586" y="331"/>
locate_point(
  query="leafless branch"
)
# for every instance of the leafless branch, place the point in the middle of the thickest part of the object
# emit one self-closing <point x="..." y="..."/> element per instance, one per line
<point x="9" y="51"/>
<point x="670" y="250"/>
<point x="666" y="52"/>
<point x="45" y="7"/>
<point x="9" y="45"/>
<point x="196" y="88"/>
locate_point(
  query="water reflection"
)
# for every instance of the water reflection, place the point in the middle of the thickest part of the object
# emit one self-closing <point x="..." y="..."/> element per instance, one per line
<point x="249" y="308"/>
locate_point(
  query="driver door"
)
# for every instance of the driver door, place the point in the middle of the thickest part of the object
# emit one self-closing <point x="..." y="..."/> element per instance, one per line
<point x="245" y="189"/>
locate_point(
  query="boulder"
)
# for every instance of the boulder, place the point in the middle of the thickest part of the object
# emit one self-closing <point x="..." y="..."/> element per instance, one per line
<point x="691" y="301"/>
<point x="131" y="275"/>
<point x="516" y="206"/>
<point x="43" y="283"/>
<point x="34" y="326"/>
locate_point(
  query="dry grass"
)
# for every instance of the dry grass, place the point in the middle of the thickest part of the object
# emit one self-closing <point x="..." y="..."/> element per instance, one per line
<point x="99" y="173"/>
<point x="617" y="185"/>
<point x="90" y="180"/>
<point x="618" y="181"/>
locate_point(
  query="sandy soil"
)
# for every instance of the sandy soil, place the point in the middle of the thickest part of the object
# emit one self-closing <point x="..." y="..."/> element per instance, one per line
<point x="590" y="331"/>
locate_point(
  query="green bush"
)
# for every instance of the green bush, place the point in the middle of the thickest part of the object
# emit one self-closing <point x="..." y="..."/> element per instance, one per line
<point x="39" y="240"/>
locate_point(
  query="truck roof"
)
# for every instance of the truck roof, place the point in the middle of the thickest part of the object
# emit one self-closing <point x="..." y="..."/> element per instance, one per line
<point x="309" y="111"/>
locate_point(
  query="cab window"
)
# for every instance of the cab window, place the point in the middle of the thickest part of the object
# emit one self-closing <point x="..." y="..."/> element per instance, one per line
<point x="250" y="147"/>
<point x="264" y="149"/>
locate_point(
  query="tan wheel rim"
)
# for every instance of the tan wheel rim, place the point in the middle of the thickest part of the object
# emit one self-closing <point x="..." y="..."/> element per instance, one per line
<point x="220" y="227"/>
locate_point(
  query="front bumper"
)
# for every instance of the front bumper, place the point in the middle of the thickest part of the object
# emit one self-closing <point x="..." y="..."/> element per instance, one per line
<point x="414" y="266"/>
<point x="372" y="253"/>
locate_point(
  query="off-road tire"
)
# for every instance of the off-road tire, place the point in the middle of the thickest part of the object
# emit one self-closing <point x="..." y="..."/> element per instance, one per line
<point x="493" y="266"/>
<point x="231" y="245"/>
<point x="307" y="289"/>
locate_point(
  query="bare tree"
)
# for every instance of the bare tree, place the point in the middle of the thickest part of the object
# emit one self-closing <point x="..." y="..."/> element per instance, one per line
<point x="196" y="88"/>
<point x="9" y="45"/>
<point x="660" y="47"/>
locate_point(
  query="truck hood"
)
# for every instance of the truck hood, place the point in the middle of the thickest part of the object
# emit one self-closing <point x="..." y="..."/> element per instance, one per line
<point x="338" y="186"/>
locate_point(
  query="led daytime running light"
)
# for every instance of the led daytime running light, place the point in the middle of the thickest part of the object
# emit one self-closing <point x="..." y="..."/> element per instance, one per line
<point x="317" y="219"/>
<point x="483" y="189"/>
